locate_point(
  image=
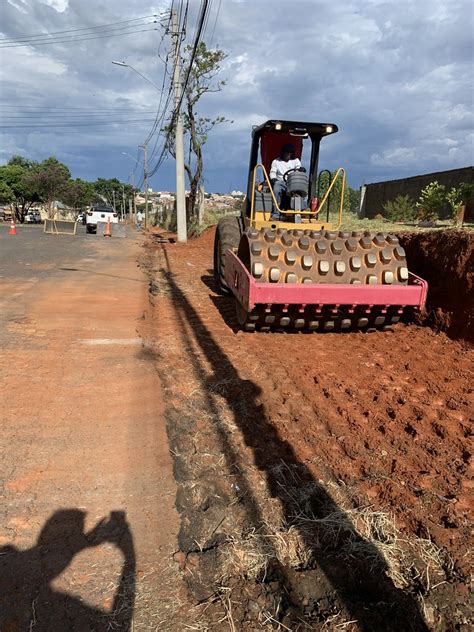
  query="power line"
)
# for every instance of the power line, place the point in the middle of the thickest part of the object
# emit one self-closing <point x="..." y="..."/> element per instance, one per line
<point x="61" y="115"/>
<point x="85" y="28"/>
<point x="160" y="122"/>
<point x="76" y="40"/>
<point x="206" y="22"/>
<point x="35" y="109"/>
<point x="160" y="116"/>
<point x="155" y="124"/>
<point x="158" y="111"/>
<point x="75" y="124"/>
<point x="185" y="22"/>
<point x="205" y="5"/>
<point x="215" y="23"/>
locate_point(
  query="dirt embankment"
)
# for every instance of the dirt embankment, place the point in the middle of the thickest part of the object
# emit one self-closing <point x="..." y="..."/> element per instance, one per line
<point x="324" y="480"/>
<point x="446" y="260"/>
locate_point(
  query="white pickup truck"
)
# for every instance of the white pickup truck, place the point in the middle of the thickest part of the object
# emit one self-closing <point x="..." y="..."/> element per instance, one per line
<point x="100" y="213"/>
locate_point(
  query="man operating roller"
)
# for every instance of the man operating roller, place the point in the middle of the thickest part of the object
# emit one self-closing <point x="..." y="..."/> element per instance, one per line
<point x="285" y="162"/>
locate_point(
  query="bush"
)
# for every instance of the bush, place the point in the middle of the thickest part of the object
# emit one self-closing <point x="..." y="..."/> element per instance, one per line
<point x="457" y="196"/>
<point x="354" y="200"/>
<point x="401" y="209"/>
<point x="211" y="218"/>
<point x="432" y="202"/>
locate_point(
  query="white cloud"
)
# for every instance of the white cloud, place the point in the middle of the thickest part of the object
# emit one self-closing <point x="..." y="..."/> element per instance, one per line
<point x="19" y="5"/>
<point x="58" y="5"/>
<point x="395" y="77"/>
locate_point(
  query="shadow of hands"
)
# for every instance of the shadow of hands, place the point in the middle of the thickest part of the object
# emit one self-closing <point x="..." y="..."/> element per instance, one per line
<point x="26" y="596"/>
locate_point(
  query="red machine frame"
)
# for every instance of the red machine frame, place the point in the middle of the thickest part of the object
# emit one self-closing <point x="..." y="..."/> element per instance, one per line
<point x="249" y="293"/>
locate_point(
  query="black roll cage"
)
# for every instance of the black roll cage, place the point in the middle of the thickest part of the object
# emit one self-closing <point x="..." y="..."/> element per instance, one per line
<point x="314" y="131"/>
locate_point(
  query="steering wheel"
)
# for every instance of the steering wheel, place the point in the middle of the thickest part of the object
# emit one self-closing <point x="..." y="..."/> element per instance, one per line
<point x="285" y="175"/>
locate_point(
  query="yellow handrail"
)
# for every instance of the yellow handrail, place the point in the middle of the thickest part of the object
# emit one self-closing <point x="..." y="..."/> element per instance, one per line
<point x="279" y="210"/>
<point x="302" y="212"/>
<point x="326" y="195"/>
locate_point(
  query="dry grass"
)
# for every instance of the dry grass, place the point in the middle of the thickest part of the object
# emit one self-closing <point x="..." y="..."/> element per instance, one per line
<point x="352" y="222"/>
<point x="356" y="533"/>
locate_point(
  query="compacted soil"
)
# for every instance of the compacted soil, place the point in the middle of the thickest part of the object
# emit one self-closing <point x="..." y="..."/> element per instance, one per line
<point x="87" y="518"/>
<point x="323" y="480"/>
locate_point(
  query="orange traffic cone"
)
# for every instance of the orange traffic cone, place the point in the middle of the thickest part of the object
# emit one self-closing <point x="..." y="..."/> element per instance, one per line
<point x="12" y="230"/>
<point x="107" y="231"/>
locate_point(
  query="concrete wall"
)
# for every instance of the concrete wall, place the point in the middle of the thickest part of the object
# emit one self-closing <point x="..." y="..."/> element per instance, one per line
<point x="380" y="192"/>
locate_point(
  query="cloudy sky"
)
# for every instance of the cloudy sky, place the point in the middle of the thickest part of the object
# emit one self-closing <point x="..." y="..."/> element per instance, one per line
<point x="396" y="77"/>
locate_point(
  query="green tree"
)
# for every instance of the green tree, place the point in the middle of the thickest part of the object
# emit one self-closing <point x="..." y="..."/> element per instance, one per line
<point x="432" y="201"/>
<point x="334" y="199"/>
<point x="77" y="194"/>
<point x="401" y="209"/>
<point x="354" y="200"/>
<point x="16" y="187"/>
<point x="202" y="80"/>
<point x="6" y="192"/>
<point x="107" y="189"/>
<point x="49" y="178"/>
<point x="457" y="196"/>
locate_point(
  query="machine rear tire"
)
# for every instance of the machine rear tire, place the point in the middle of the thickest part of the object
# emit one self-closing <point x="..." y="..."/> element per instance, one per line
<point x="228" y="233"/>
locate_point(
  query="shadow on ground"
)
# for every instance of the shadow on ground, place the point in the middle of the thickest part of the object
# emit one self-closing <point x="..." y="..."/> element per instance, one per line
<point x="29" y="602"/>
<point x="359" y="580"/>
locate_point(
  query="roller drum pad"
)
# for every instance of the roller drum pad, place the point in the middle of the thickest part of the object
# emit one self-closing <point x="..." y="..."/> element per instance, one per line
<point x="281" y="256"/>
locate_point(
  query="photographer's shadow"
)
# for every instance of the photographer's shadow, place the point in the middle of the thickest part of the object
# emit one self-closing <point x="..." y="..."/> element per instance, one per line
<point x="28" y="600"/>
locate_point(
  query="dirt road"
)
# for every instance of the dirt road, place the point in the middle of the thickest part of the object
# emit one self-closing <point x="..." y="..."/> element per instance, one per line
<point x="323" y="479"/>
<point x="88" y="524"/>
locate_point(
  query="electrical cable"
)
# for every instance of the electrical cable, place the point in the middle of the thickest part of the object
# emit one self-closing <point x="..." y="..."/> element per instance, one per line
<point x="205" y="5"/>
<point x="75" y="124"/>
<point x="76" y="40"/>
<point x="59" y="115"/>
<point x="85" y="28"/>
<point x="32" y="109"/>
<point x="160" y="117"/>
<point x="215" y="23"/>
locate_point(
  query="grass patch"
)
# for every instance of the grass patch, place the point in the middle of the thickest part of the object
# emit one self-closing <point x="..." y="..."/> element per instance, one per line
<point x="351" y="222"/>
<point x="211" y="218"/>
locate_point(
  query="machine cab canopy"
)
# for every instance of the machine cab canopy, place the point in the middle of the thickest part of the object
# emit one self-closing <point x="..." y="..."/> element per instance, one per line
<point x="272" y="135"/>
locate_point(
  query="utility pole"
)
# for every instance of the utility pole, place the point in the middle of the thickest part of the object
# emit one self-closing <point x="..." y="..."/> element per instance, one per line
<point x="179" y="148"/>
<point x="133" y="212"/>
<point x="113" y="197"/>
<point x="145" y="179"/>
<point x="124" y="208"/>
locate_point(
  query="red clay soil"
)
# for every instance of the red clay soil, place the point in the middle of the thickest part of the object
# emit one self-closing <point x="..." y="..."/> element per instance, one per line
<point x="446" y="260"/>
<point x="386" y="413"/>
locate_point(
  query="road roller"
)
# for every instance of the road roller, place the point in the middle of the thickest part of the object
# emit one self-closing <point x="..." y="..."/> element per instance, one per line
<point x="286" y="260"/>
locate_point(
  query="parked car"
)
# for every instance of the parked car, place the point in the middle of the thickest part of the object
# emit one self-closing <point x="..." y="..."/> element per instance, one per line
<point x="33" y="217"/>
<point x="100" y="213"/>
<point x="5" y="215"/>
